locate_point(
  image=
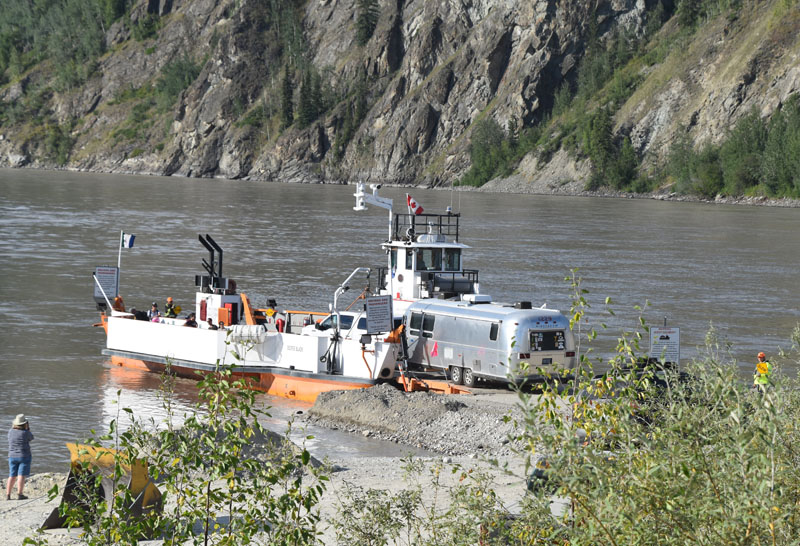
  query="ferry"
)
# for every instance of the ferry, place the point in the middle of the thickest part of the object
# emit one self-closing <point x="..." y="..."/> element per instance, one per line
<point x="286" y="354"/>
<point x="299" y="354"/>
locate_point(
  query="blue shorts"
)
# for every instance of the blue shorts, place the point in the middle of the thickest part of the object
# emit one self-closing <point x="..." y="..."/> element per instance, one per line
<point x="19" y="466"/>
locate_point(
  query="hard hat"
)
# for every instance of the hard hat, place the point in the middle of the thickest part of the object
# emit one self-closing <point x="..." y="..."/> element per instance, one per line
<point x="762" y="355"/>
<point x="169" y="299"/>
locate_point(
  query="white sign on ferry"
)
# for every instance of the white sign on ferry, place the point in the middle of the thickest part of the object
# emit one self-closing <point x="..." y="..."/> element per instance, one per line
<point x="666" y="343"/>
<point x="108" y="277"/>
<point x="379" y="314"/>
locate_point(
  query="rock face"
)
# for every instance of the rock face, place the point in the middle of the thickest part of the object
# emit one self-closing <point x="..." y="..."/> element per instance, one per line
<point x="431" y="70"/>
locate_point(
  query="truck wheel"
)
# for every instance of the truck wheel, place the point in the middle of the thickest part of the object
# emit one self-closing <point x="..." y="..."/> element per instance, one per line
<point x="456" y="375"/>
<point x="469" y="377"/>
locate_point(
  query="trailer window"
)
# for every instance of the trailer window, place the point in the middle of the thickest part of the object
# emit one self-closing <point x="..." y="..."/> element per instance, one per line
<point x="427" y="325"/>
<point x="416" y="324"/>
<point x="548" y="341"/>
<point x="493" y="331"/>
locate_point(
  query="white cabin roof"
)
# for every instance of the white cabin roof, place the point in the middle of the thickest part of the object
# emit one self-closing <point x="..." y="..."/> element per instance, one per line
<point x="410" y="244"/>
<point x="488" y="311"/>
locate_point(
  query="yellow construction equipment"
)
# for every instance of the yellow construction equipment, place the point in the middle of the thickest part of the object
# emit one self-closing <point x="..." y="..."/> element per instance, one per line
<point x="86" y="465"/>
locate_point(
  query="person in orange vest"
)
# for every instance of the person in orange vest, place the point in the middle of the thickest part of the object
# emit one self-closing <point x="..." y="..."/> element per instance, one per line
<point x="118" y="304"/>
<point x="169" y="308"/>
<point x="763" y="375"/>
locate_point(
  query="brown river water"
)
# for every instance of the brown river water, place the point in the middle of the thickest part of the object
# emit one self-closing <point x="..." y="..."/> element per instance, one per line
<point x="735" y="267"/>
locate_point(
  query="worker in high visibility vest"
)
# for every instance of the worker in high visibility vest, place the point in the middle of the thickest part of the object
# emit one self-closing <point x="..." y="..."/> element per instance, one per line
<point x="763" y="375"/>
<point x="169" y="308"/>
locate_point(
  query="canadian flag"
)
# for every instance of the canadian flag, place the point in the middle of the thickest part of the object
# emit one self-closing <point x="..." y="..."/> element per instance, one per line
<point x="413" y="206"/>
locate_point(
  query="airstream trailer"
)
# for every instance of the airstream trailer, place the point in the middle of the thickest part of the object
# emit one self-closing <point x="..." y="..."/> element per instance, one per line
<point x="476" y="338"/>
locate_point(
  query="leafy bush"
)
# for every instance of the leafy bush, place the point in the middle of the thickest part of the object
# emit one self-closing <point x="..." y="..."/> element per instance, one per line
<point x="222" y="484"/>
<point x="146" y="27"/>
<point x="58" y="143"/>
<point x="175" y="77"/>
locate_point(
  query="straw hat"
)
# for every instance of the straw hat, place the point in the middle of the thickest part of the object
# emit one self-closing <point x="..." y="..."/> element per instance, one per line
<point x="19" y="420"/>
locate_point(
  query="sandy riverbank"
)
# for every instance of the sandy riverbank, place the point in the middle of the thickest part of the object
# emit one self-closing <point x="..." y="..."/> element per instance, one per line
<point x="466" y="430"/>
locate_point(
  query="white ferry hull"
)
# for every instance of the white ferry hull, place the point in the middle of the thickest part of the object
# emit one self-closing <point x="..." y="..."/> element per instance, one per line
<point x="289" y="365"/>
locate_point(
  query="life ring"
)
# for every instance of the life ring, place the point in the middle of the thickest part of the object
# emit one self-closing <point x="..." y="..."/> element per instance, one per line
<point x="279" y="324"/>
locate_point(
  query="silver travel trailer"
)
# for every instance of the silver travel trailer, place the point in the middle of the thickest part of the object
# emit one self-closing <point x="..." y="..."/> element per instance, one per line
<point x="476" y="338"/>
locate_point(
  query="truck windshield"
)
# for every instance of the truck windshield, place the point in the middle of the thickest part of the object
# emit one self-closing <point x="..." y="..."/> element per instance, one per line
<point x="347" y="322"/>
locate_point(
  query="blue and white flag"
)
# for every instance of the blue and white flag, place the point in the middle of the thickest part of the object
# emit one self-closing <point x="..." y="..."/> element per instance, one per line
<point x="127" y="240"/>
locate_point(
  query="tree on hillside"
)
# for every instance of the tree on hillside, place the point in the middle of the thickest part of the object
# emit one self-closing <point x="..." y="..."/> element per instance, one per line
<point x="780" y="164"/>
<point x="598" y="143"/>
<point x="741" y="154"/>
<point x="366" y="20"/>
<point x="287" y="101"/>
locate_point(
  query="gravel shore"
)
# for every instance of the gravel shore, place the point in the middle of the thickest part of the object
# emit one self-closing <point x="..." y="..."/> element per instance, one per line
<point x="478" y="425"/>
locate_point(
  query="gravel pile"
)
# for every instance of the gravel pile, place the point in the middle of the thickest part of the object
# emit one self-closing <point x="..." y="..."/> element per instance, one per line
<point x="448" y="424"/>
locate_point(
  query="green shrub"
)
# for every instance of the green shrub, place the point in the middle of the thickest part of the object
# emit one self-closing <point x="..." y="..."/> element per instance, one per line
<point x="175" y="77"/>
<point x="58" y="143"/>
<point x="146" y="27"/>
<point x="219" y="462"/>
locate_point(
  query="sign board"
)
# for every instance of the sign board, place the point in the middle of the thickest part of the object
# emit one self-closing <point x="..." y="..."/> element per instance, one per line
<point x="108" y="277"/>
<point x="379" y="314"/>
<point x="666" y="343"/>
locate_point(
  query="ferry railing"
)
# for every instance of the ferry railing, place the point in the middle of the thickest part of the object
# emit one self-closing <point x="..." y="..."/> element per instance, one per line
<point x="406" y="226"/>
<point x="459" y="282"/>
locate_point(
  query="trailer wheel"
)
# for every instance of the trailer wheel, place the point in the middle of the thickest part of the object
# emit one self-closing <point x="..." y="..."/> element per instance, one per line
<point x="469" y="377"/>
<point x="456" y="375"/>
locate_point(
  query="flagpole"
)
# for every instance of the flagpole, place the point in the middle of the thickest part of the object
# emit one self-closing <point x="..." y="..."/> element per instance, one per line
<point x="119" y="258"/>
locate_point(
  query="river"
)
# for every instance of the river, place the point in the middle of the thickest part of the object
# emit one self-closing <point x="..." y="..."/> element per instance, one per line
<point x="696" y="264"/>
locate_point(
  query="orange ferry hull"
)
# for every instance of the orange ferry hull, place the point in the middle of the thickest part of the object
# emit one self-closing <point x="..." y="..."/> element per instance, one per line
<point x="305" y="389"/>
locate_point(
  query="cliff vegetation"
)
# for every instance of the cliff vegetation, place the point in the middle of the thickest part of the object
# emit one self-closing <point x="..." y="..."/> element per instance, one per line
<point x="690" y="96"/>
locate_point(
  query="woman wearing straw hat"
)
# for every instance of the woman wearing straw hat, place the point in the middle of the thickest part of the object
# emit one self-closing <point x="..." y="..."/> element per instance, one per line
<point x="19" y="455"/>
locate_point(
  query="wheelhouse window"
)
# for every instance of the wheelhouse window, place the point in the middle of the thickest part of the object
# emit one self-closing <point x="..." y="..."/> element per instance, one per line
<point x="553" y="340"/>
<point x="409" y="260"/>
<point x="452" y="259"/>
<point x="393" y="255"/>
<point x="429" y="259"/>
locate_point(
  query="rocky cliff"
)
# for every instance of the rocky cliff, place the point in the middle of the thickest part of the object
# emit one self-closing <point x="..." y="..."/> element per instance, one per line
<point x="430" y="71"/>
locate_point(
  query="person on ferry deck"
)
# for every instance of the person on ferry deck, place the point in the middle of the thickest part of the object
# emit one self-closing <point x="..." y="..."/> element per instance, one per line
<point x="211" y="324"/>
<point x="190" y="321"/>
<point x="169" y="309"/>
<point x="118" y="304"/>
<point x="153" y="312"/>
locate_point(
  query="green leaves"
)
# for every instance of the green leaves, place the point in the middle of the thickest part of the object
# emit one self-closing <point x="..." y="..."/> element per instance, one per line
<point x="221" y="468"/>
